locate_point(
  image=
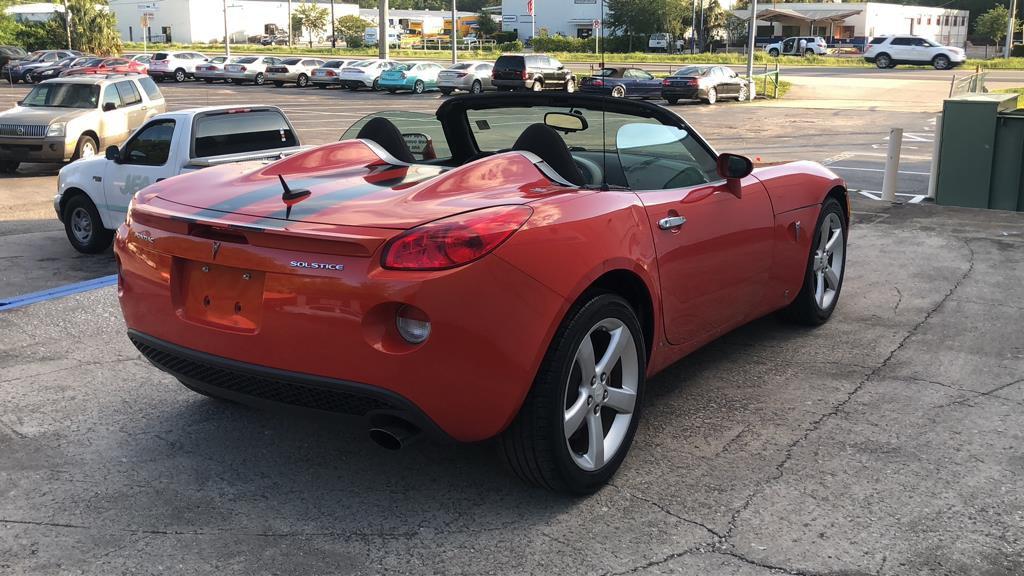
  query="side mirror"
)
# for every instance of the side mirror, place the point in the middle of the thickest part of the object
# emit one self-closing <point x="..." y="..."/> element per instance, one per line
<point x="733" y="168"/>
<point x="113" y="154"/>
<point x="108" y="106"/>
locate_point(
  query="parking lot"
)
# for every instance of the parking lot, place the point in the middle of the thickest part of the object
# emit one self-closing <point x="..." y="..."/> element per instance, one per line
<point x="884" y="442"/>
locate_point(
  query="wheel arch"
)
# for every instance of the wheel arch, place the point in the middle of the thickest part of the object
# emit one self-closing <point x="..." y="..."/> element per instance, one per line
<point x="69" y="193"/>
<point x="842" y="195"/>
<point x="95" y="137"/>
<point x="633" y="289"/>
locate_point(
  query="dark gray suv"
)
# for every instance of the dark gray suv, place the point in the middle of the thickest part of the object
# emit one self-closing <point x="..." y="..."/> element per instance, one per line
<point x="531" y="72"/>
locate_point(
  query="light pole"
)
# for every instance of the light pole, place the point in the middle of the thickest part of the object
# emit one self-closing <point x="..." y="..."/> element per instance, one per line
<point x="1009" y="29"/>
<point x="334" y="37"/>
<point x="227" y="35"/>
<point x="382" y="30"/>
<point x="455" y="35"/>
<point x="693" y="26"/>
<point x="290" y="31"/>
<point x="751" y="32"/>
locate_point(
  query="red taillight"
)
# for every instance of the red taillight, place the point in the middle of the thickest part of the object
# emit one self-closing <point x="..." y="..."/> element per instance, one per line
<point x="524" y="75"/>
<point x="331" y="73"/>
<point x="241" y="68"/>
<point x="693" y="82"/>
<point x="460" y="74"/>
<point x="454" y="241"/>
<point x="665" y="82"/>
<point x="597" y="82"/>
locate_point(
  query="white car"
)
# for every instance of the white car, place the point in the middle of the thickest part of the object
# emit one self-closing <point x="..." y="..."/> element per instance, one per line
<point x="212" y="70"/>
<point x="93" y="195"/>
<point x="365" y="74"/>
<point x="249" y="69"/>
<point x="177" y="65"/>
<point x="813" y="45"/>
<point x="888" y="51"/>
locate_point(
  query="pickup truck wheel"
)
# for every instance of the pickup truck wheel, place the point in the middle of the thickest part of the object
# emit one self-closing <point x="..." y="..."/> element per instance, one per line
<point x="940" y="62"/>
<point x="84" y="228"/>
<point x="9" y="167"/>
<point x="774" y="52"/>
<point x="86" y="148"/>
<point x="179" y="75"/>
<point x="579" y="418"/>
<point x="302" y="81"/>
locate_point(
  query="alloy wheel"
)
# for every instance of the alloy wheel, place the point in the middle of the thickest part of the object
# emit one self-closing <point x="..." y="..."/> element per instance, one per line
<point x="828" y="261"/>
<point x="476" y="88"/>
<point x="600" y="396"/>
<point x="179" y="76"/>
<point x="618" y="92"/>
<point x="81" y="225"/>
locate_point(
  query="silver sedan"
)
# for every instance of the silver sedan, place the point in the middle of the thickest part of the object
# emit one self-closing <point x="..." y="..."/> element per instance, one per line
<point x="293" y="70"/>
<point x="474" y="77"/>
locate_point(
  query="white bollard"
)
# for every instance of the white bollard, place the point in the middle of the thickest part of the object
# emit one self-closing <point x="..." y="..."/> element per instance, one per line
<point x="892" y="165"/>
<point x="933" y="174"/>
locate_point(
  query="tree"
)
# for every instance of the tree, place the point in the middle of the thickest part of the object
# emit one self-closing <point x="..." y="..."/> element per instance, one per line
<point x="992" y="24"/>
<point x="486" y="25"/>
<point x="351" y="29"/>
<point x="714" y="22"/>
<point x="736" y="29"/>
<point x="93" y="28"/>
<point x="314" y="19"/>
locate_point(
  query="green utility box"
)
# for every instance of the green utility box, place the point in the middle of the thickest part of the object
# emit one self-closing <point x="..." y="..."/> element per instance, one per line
<point x="981" y="153"/>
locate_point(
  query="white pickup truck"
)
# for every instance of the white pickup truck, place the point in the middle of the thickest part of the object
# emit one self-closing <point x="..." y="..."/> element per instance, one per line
<point x="93" y="195"/>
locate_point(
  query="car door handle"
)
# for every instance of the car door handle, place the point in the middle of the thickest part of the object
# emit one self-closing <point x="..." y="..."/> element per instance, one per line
<point x="671" y="222"/>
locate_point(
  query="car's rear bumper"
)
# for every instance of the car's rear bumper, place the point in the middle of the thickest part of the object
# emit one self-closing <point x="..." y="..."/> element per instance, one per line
<point x="209" y="75"/>
<point x="243" y="76"/>
<point x="273" y="388"/>
<point x="469" y="377"/>
<point x="394" y="85"/>
<point x="682" y="93"/>
<point x="282" y="76"/>
<point x="42" y="150"/>
<point x="331" y="80"/>
<point x="161" y="73"/>
<point x="587" y="89"/>
<point x="357" y="82"/>
<point x="513" y="84"/>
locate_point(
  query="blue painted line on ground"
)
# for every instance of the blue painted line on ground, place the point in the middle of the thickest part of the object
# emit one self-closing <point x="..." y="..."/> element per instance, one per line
<point x="58" y="292"/>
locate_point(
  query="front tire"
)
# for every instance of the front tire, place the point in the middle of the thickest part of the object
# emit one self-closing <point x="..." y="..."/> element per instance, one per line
<point x="84" y="228"/>
<point x="538" y="86"/>
<point x="208" y="80"/>
<point x="260" y="79"/>
<point x="179" y="75"/>
<point x="86" y="148"/>
<point x="446" y="91"/>
<point x="419" y="87"/>
<point x="302" y="81"/>
<point x="618" y="92"/>
<point x="578" y="420"/>
<point x="570" y="85"/>
<point x="774" y="52"/>
<point x="941" y="62"/>
<point x="376" y="85"/>
<point x="826" y="266"/>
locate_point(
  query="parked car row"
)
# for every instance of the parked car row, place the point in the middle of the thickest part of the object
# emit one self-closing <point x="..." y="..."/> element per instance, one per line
<point x="46" y="64"/>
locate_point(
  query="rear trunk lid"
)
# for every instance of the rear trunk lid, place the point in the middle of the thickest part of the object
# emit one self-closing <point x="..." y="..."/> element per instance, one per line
<point x="349" y="185"/>
<point x="509" y="68"/>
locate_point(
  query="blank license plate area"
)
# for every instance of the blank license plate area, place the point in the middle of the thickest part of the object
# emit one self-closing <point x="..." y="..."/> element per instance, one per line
<point x="221" y="296"/>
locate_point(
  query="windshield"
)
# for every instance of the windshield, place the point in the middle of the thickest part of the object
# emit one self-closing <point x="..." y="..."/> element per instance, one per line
<point x="291" y="61"/>
<point x="402" y="67"/>
<point x="365" y="64"/>
<point x="333" y="64"/>
<point x="249" y="60"/>
<point x="691" y="71"/>
<point x="63" y="96"/>
<point x="460" y="66"/>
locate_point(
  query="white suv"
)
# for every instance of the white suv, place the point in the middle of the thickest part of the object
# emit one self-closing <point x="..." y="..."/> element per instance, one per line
<point x="888" y="51"/>
<point x="176" y="65"/>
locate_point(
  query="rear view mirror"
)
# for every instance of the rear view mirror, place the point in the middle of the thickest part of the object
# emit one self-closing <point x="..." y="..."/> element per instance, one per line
<point x="565" y="122"/>
<point x="108" y="106"/>
<point x="113" y="154"/>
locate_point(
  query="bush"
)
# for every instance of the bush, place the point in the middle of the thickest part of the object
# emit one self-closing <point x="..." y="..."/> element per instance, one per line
<point x="1017" y="51"/>
<point x="513" y="46"/>
<point x="562" y="44"/>
<point x="353" y="41"/>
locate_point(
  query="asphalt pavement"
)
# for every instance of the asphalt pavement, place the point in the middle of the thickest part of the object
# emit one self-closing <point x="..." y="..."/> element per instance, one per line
<point x="886" y="442"/>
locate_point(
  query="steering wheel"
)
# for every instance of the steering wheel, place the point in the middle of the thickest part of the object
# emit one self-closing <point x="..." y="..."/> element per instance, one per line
<point x="592" y="173"/>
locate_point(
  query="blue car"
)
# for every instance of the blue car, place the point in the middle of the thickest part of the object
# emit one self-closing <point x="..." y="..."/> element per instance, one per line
<point x="622" y="82"/>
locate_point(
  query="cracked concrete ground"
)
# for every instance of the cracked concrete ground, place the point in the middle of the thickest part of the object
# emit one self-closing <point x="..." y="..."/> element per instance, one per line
<point x="886" y="442"/>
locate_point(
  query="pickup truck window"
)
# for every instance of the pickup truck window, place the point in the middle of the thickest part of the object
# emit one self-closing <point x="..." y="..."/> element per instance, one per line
<point x="151" y="146"/>
<point x="110" y="95"/>
<point x="240" y="132"/>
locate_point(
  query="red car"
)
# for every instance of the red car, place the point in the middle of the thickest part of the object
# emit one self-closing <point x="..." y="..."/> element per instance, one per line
<point x="514" y="266"/>
<point x="110" y="66"/>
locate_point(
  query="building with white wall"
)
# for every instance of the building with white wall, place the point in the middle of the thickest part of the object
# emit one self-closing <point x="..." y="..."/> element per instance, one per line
<point x="188" y="21"/>
<point x="573" y="18"/>
<point x="856" y="22"/>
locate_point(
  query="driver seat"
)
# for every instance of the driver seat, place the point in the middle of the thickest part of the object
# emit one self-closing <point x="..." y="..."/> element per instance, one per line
<point x="385" y="134"/>
<point x="545" y="142"/>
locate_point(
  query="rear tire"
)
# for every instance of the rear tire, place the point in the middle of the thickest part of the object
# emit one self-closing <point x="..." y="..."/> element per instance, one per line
<point x="83" y="226"/>
<point x="260" y="79"/>
<point x="208" y="80"/>
<point x="209" y="395"/>
<point x="618" y="92"/>
<point x="419" y="87"/>
<point x="774" y="52"/>
<point x="179" y="75"/>
<point x="476" y="88"/>
<point x="883" y="61"/>
<point x="826" y="268"/>
<point x="712" y="96"/>
<point x="570" y="85"/>
<point x="446" y="91"/>
<point x="87" y="148"/>
<point x="578" y="420"/>
<point x="672" y="101"/>
<point x="278" y="83"/>
<point x="302" y="81"/>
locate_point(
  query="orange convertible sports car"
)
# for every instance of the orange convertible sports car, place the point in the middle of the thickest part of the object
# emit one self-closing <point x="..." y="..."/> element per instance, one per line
<point x="513" y="266"/>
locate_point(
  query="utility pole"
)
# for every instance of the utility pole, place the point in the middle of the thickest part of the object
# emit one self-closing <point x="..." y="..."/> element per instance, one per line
<point x="455" y="35"/>
<point x="290" y="31"/>
<point x="382" y="30"/>
<point x="227" y="35"/>
<point x="334" y="37"/>
<point x="700" y="37"/>
<point x="751" y="32"/>
<point x="68" y="24"/>
<point x="1009" y="29"/>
